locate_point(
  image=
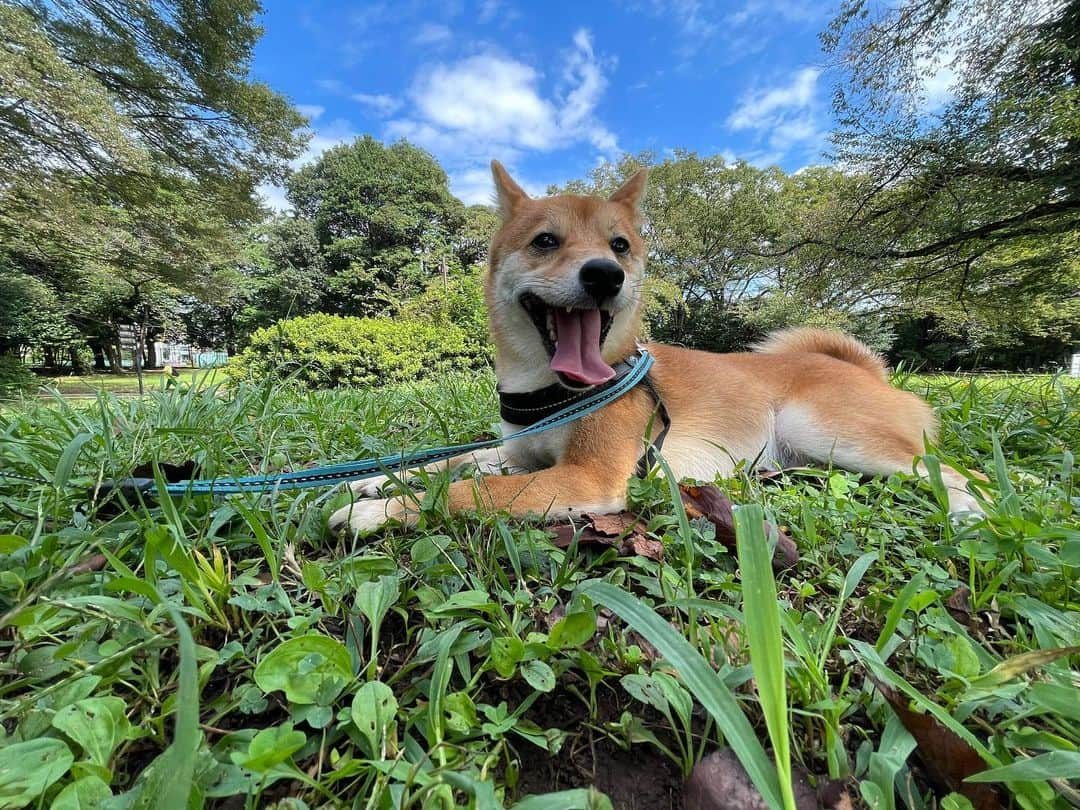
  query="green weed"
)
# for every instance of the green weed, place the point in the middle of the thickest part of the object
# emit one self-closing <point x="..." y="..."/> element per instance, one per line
<point x="212" y="650"/>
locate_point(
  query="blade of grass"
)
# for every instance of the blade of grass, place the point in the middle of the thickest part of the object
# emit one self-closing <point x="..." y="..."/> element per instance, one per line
<point x="704" y="684"/>
<point x="761" y="612"/>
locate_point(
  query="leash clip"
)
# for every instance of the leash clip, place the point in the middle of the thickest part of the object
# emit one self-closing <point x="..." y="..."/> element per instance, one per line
<point x="132" y="490"/>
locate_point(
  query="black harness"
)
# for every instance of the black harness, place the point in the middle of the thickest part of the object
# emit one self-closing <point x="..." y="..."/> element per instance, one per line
<point x="529" y="407"/>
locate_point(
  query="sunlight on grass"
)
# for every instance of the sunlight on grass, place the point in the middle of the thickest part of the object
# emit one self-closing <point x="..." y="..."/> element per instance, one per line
<point x="472" y="662"/>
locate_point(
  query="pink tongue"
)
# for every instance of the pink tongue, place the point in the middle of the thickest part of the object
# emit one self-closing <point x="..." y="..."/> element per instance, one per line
<point x="578" y="353"/>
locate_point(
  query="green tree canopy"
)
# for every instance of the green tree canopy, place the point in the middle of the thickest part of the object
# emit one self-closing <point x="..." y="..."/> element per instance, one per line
<point x="384" y="218"/>
<point x="972" y="195"/>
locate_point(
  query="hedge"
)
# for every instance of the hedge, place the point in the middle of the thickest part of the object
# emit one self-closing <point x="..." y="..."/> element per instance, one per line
<point x="325" y="351"/>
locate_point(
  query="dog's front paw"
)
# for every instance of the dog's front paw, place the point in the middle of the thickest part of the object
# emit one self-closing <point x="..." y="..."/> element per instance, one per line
<point x="371" y="488"/>
<point x="367" y="515"/>
<point x="963" y="506"/>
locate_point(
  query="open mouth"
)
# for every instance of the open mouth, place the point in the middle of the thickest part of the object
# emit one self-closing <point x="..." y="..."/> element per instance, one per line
<point x="573" y="339"/>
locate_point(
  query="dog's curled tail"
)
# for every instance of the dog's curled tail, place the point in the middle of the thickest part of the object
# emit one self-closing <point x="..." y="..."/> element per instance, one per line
<point x="824" y="341"/>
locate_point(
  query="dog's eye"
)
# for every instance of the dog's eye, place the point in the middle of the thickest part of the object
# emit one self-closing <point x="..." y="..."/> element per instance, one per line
<point x="620" y="245"/>
<point x="545" y="241"/>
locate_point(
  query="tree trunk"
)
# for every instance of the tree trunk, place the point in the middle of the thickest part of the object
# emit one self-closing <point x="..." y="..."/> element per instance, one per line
<point x="99" y="356"/>
<point x="112" y="350"/>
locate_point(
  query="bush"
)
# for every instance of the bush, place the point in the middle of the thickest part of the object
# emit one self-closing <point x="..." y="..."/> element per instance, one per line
<point x="15" y="378"/>
<point x="457" y="300"/>
<point x="324" y="351"/>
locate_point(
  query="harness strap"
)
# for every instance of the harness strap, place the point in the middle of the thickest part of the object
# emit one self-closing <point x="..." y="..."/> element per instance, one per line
<point x="648" y="458"/>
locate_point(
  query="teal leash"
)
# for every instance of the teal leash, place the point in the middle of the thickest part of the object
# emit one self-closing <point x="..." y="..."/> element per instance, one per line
<point x="370" y="468"/>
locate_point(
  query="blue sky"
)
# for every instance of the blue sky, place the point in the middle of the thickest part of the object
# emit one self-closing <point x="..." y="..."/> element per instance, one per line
<point x="552" y="89"/>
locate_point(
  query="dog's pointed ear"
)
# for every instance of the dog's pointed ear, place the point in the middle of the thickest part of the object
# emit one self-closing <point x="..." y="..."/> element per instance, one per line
<point x="632" y="191"/>
<point x="508" y="194"/>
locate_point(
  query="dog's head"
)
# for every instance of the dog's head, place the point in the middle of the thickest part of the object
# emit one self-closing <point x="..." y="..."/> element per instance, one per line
<point x="566" y="276"/>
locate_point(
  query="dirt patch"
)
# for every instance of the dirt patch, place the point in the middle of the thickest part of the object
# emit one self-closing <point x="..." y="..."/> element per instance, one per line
<point x="639" y="779"/>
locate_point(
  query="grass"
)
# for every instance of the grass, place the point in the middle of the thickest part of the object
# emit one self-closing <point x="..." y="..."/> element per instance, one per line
<point x="232" y="652"/>
<point x="88" y="385"/>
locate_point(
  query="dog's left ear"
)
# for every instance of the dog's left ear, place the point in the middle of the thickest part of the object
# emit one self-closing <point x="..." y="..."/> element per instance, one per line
<point x="633" y="190"/>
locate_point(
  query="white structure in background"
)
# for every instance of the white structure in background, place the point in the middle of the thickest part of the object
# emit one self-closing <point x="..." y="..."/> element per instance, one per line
<point x="174" y="354"/>
<point x="1074" y="369"/>
<point x="181" y="354"/>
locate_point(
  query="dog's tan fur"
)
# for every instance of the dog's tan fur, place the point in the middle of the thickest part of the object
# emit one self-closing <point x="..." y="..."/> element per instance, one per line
<point x="803" y="396"/>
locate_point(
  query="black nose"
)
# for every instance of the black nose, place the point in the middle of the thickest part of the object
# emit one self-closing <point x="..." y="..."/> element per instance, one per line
<point x="601" y="278"/>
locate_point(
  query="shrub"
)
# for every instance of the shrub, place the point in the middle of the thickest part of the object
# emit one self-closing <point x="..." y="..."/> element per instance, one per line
<point x="457" y="300"/>
<point x="324" y="351"/>
<point x="15" y="378"/>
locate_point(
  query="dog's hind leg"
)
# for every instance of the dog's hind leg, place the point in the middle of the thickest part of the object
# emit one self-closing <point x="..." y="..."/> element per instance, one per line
<point x="881" y="435"/>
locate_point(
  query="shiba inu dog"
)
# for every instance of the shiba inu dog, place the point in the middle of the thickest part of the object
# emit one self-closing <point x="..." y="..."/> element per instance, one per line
<point x="564" y="301"/>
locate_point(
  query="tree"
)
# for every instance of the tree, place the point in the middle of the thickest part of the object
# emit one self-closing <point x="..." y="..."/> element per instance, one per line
<point x="971" y="196"/>
<point x="131" y="140"/>
<point x="384" y="218"/>
<point x="108" y="91"/>
<point x="471" y="242"/>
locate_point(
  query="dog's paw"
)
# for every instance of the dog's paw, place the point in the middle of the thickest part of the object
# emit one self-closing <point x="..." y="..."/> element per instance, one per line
<point x="371" y="488"/>
<point x="367" y="515"/>
<point x="963" y="506"/>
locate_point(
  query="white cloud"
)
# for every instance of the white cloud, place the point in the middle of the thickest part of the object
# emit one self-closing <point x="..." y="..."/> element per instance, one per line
<point x="473" y="186"/>
<point x="938" y="85"/>
<point x="583" y="73"/>
<point x="795" y="11"/>
<point x="495" y="104"/>
<point x="768" y="108"/>
<point x="379" y="103"/>
<point x="311" y="111"/>
<point x="786" y="118"/>
<point x="334" y="133"/>
<point x="431" y="34"/>
<point x="273" y="197"/>
<point x="488" y="10"/>
<point x="331" y="86"/>
<point x="489" y="97"/>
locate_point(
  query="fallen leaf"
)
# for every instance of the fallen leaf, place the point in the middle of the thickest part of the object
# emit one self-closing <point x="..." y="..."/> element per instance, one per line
<point x="709" y="502"/>
<point x="832" y="795"/>
<point x="622" y="530"/>
<point x="958" y="604"/>
<point x="644" y="547"/>
<point x="614" y="525"/>
<point x="947" y="758"/>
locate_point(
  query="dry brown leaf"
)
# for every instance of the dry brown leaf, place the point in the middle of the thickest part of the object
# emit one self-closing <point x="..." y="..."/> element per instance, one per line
<point x="709" y="502"/>
<point x="614" y="525"/>
<point x="644" y="547"/>
<point x="95" y="562"/>
<point x="947" y="758"/>
<point x="623" y="530"/>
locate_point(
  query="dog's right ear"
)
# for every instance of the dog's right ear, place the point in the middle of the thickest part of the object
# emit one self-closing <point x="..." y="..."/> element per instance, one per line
<point x="508" y="194"/>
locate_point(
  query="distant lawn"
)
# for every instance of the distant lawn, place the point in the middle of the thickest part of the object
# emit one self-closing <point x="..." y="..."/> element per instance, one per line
<point x="127" y="383"/>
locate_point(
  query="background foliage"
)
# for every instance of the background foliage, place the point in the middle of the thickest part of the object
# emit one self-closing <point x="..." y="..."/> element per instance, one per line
<point x="944" y="233"/>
